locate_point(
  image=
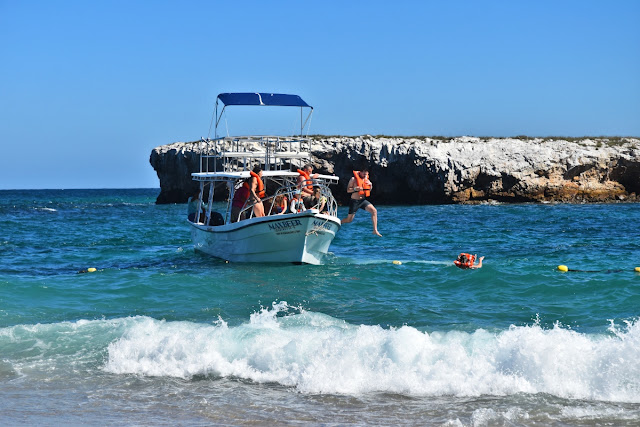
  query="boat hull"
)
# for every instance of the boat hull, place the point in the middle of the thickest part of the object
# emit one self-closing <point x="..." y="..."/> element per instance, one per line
<point x="298" y="238"/>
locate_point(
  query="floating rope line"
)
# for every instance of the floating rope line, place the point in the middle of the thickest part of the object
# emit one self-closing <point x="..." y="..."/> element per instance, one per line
<point x="564" y="269"/>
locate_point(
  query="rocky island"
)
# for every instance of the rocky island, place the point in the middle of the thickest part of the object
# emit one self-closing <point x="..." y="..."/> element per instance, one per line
<point x="433" y="170"/>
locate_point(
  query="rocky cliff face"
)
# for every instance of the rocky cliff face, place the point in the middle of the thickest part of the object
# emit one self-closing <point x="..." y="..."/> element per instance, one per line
<point x="174" y="164"/>
<point x="457" y="170"/>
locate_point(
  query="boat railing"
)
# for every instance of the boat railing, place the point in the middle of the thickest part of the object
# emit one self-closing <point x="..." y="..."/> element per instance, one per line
<point x="325" y="203"/>
<point x="240" y="153"/>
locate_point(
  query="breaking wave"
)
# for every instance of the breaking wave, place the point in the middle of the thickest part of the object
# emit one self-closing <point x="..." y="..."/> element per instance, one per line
<point x="315" y="353"/>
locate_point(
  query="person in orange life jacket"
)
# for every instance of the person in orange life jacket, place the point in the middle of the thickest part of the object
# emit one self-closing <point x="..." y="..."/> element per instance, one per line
<point x="256" y="191"/>
<point x="297" y="205"/>
<point x="466" y="261"/>
<point x="280" y="204"/>
<point x="360" y="187"/>
<point x="305" y="183"/>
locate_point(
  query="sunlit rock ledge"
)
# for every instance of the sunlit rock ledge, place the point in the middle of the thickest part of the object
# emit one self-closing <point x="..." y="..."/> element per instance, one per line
<point x="425" y="170"/>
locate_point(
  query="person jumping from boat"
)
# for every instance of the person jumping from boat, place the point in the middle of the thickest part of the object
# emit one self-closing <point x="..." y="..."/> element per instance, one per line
<point x="467" y="261"/>
<point x="360" y="188"/>
<point x="257" y="192"/>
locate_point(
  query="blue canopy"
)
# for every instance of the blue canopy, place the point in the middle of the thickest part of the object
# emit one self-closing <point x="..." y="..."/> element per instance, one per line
<point x="272" y="99"/>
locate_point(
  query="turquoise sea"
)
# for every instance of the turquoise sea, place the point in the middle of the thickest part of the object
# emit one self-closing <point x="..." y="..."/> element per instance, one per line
<point x="161" y="335"/>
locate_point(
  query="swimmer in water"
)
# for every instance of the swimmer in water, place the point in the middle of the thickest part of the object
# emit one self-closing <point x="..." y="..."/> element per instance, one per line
<point x="466" y="261"/>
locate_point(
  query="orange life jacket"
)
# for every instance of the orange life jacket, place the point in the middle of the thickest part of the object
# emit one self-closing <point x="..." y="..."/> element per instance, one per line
<point x="307" y="179"/>
<point x="470" y="260"/>
<point x="365" y="190"/>
<point x="260" y="190"/>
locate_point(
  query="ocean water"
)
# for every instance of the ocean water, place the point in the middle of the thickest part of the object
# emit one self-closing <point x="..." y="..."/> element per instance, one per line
<point x="161" y="335"/>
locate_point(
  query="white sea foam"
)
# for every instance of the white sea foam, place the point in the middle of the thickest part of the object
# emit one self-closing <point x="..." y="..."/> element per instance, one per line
<point x="316" y="353"/>
<point x="356" y="261"/>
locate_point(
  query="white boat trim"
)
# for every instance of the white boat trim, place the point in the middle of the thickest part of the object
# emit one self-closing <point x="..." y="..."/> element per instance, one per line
<point x="297" y="238"/>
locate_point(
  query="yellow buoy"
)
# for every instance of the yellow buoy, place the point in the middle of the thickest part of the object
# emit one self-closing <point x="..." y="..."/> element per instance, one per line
<point x="397" y="262"/>
<point x="91" y="270"/>
<point x="637" y="269"/>
<point x="563" y="268"/>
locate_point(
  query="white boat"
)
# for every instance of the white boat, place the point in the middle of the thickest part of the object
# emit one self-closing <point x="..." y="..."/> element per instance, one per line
<point x="237" y="234"/>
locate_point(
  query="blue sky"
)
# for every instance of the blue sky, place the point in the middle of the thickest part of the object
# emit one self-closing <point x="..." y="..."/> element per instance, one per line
<point x="88" y="89"/>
